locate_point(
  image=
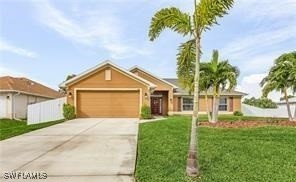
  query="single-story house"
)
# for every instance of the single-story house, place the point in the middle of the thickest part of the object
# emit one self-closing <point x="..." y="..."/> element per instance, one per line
<point x="108" y="90"/>
<point x="16" y="93"/>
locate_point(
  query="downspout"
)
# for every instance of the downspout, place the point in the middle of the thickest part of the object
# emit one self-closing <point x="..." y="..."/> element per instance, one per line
<point x="13" y="106"/>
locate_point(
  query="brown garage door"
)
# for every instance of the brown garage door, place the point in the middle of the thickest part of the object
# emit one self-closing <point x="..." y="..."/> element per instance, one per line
<point x="108" y="104"/>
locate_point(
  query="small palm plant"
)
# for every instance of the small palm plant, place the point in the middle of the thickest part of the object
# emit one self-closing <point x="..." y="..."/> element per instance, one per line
<point x="204" y="17"/>
<point x="219" y="76"/>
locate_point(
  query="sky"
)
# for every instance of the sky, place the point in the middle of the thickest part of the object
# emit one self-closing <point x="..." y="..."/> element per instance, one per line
<point x="47" y="40"/>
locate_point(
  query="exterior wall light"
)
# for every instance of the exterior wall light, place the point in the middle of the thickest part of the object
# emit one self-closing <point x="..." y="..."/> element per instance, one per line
<point x="70" y="94"/>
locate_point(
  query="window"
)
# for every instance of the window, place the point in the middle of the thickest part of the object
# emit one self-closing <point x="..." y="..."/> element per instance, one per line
<point x="187" y="104"/>
<point x="107" y="74"/>
<point x="223" y="104"/>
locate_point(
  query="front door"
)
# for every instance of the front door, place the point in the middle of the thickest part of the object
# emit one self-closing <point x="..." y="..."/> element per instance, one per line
<point x="156" y="105"/>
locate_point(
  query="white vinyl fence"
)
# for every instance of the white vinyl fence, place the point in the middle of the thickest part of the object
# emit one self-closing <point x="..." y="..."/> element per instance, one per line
<point x="280" y="112"/>
<point x="46" y="111"/>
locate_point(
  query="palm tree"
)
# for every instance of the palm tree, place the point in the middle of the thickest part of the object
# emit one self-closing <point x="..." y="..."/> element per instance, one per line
<point x="220" y="76"/>
<point x="205" y="84"/>
<point x="205" y="15"/>
<point x="281" y="77"/>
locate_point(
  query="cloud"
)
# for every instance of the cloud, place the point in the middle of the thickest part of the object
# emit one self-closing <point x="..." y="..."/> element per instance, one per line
<point x="250" y="85"/>
<point x="4" y="71"/>
<point x="266" y="9"/>
<point x="268" y="32"/>
<point x="93" y="28"/>
<point x="256" y="43"/>
<point x="4" y="46"/>
<point x="260" y="63"/>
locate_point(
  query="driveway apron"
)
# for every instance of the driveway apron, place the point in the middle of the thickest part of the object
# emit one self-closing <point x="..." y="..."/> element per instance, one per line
<point x="92" y="149"/>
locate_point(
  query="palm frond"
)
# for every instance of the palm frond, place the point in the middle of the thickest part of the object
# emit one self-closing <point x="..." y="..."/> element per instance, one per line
<point x="186" y="64"/>
<point x="172" y="18"/>
<point x="215" y="60"/>
<point x="282" y="74"/>
<point x="207" y="12"/>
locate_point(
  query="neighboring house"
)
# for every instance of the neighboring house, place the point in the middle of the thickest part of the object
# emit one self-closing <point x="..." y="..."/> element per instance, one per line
<point x="108" y="90"/>
<point x="17" y="93"/>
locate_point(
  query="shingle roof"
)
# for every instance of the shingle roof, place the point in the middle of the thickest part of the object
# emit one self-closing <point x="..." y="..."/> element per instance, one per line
<point x="20" y="84"/>
<point x="181" y="91"/>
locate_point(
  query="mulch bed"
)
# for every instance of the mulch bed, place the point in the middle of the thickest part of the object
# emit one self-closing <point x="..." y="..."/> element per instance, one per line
<point x="247" y="124"/>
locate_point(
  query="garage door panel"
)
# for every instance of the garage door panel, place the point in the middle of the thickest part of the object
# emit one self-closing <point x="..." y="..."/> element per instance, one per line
<point x="108" y="103"/>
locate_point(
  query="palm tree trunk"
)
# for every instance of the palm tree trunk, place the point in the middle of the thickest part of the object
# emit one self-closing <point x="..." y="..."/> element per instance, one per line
<point x="288" y="105"/>
<point x="214" y="109"/>
<point x="192" y="161"/>
<point x="294" y="114"/>
<point x="215" y="106"/>
<point x="207" y="105"/>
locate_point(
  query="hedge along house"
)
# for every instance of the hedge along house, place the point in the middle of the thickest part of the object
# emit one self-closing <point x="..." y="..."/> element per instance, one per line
<point x="108" y="90"/>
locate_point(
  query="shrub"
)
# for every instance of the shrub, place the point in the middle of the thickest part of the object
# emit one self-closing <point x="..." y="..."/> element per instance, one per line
<point x="68" y="111"/>
<point x="145" y="112"/>
<point x="262" y="102"/>
<point x="238" y="113"/>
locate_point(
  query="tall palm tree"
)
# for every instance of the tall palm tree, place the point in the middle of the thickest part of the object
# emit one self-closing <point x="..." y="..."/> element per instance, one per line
<point x="281" y="77"/>
<point x="204" y="17"/>
<point x="220" y="76"/>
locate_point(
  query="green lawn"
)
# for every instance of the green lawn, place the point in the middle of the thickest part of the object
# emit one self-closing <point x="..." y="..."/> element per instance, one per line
<point x="226" y="155"/>
<point x="10" y="128"/>
<point x="230" y="117"/>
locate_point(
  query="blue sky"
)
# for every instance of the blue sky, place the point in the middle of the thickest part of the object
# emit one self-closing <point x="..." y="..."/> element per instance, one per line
<point x="47" y="40"/>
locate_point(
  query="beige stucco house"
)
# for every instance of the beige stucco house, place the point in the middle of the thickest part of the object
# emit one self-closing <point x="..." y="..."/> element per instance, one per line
<point x="16" y="93"/>
<point x="108" y="90"/>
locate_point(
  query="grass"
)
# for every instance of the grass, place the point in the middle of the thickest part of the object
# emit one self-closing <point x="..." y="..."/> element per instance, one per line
<point x="232" y="118"/>
<point x="225" y="155"/>
<point x="10" y="128"/>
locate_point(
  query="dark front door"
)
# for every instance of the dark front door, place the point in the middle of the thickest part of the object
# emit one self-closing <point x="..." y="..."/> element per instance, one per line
<point x="156" y="105"/>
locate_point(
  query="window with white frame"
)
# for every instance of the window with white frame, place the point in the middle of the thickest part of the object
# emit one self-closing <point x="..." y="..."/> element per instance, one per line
<point x="187" y="104"/>
<point x="223" y="104"/>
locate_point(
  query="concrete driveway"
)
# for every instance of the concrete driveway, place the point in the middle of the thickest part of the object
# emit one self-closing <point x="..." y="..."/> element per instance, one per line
<point x="93" y="149"/>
